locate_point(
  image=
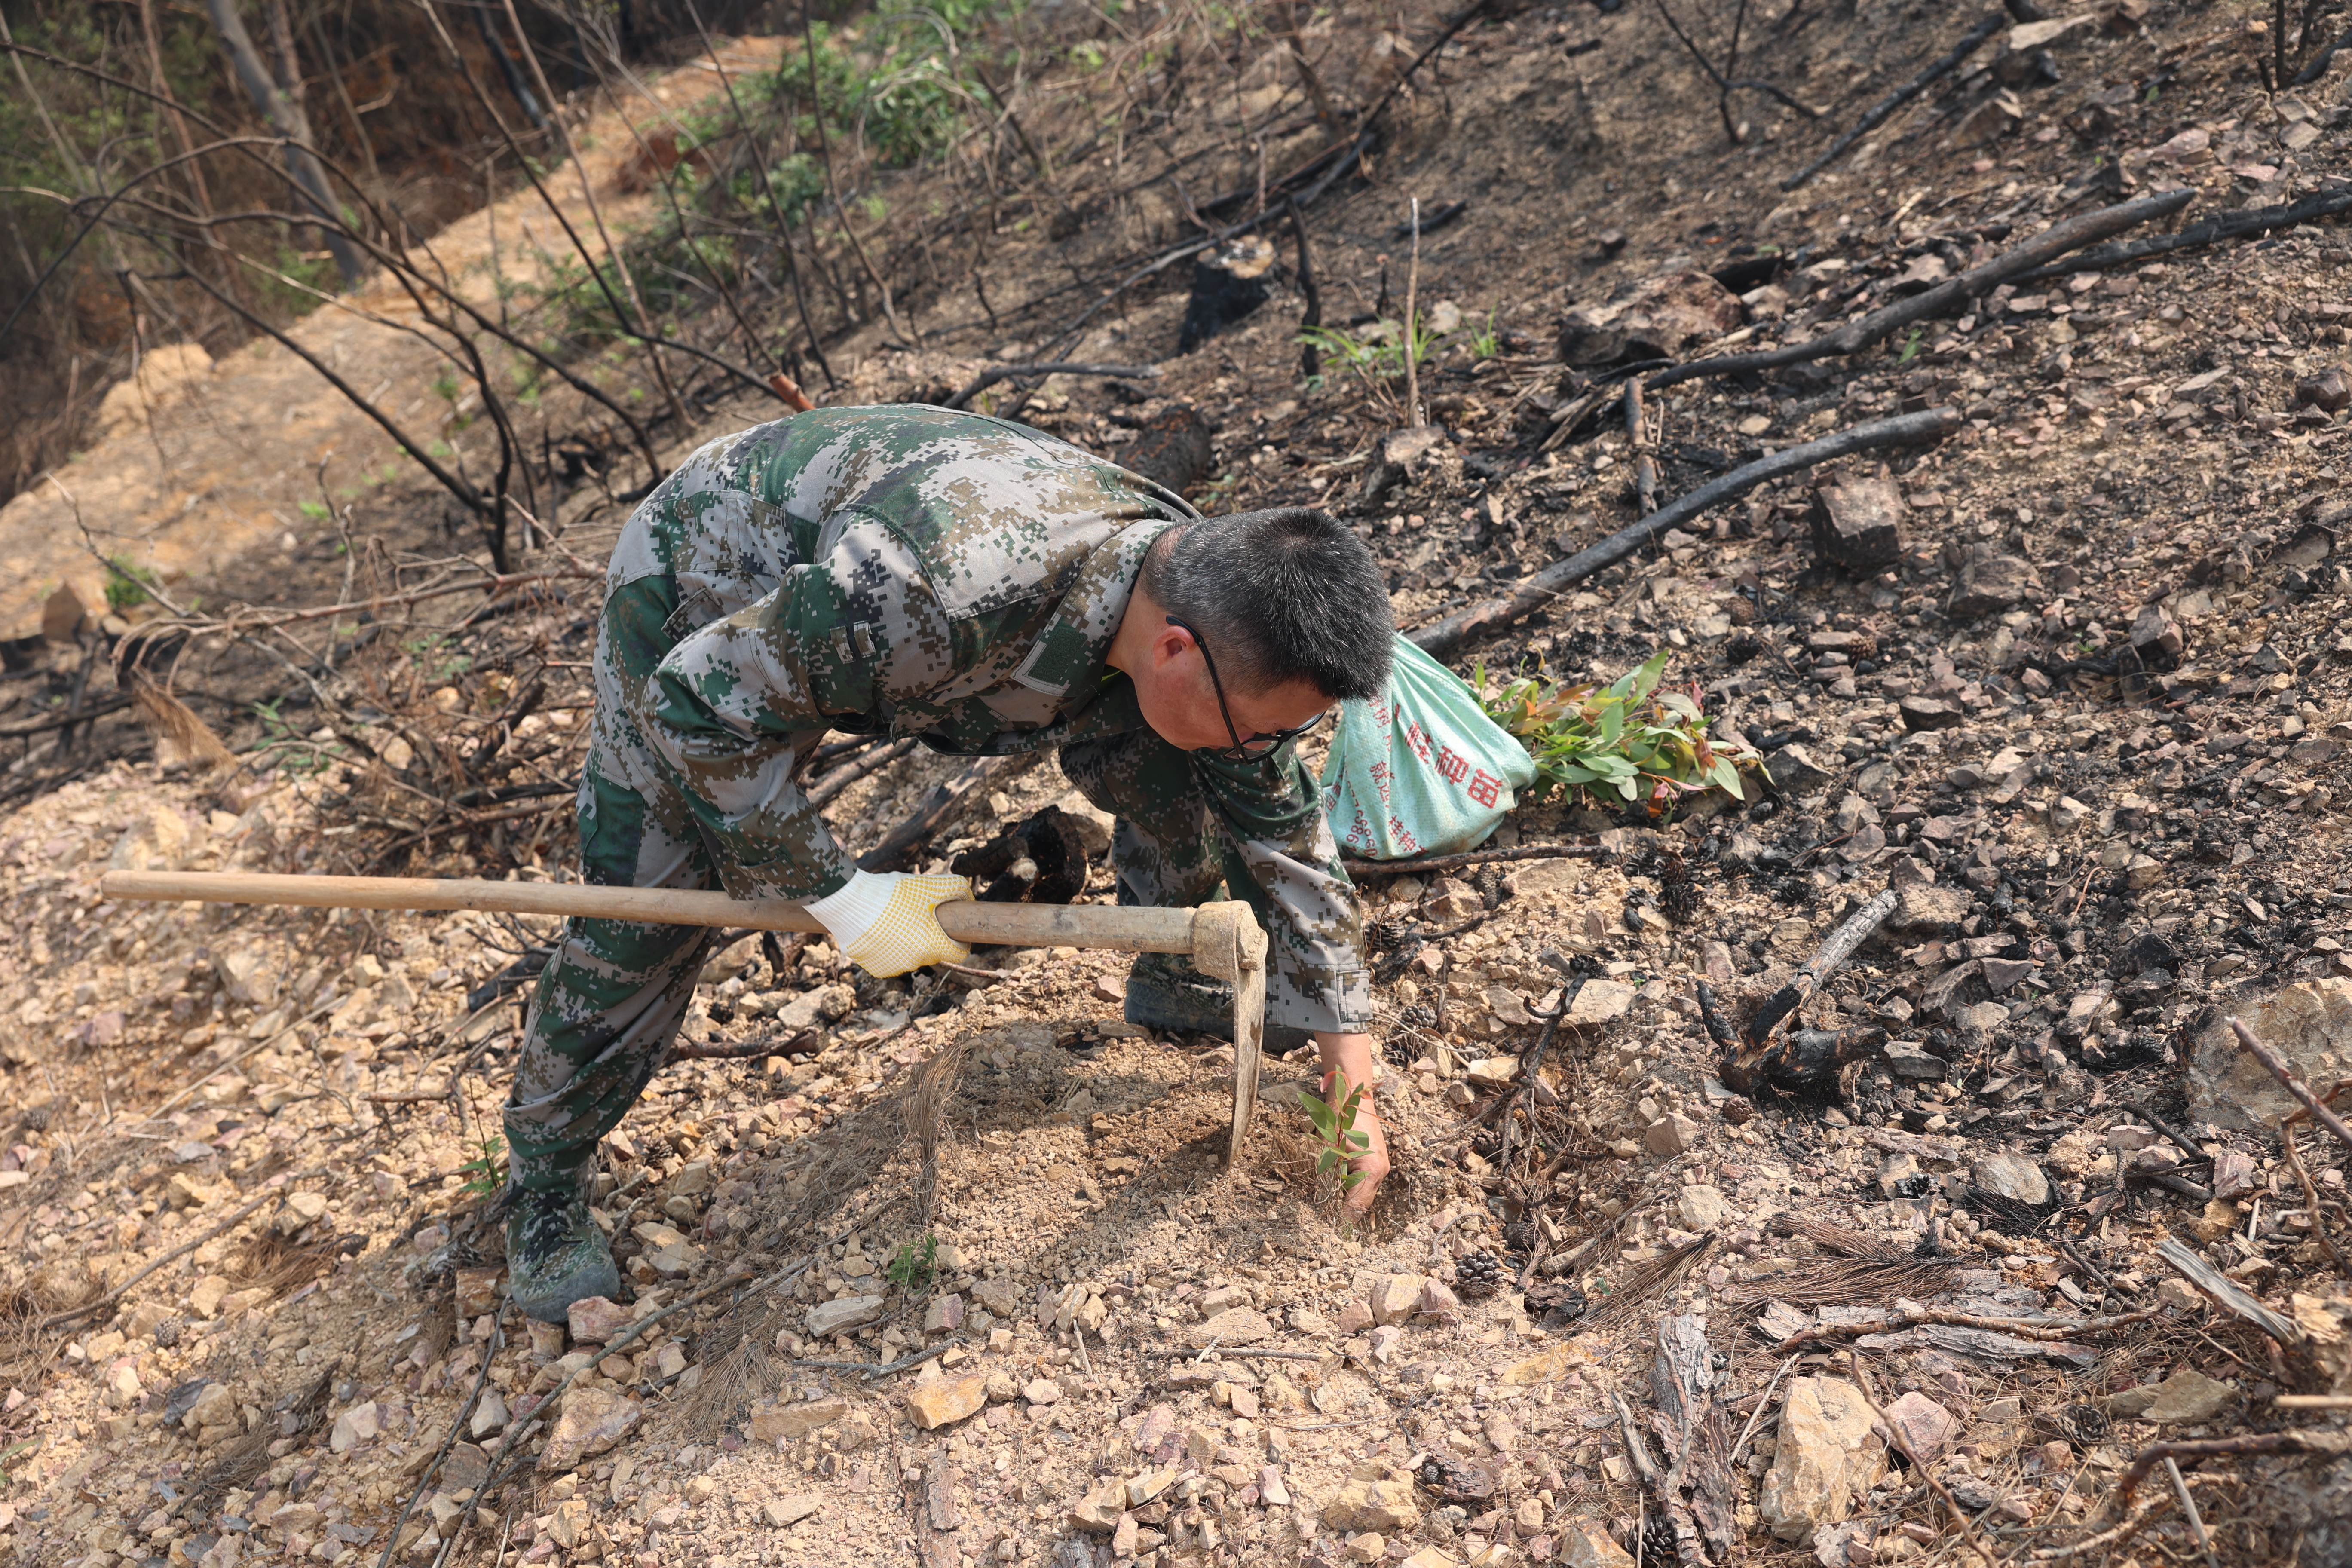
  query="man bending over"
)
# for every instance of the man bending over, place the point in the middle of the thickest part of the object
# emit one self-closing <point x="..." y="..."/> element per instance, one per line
<point x="989" y="590"/>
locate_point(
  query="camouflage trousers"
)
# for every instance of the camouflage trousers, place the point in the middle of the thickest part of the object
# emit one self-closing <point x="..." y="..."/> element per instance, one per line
<point x="609" y="1003"/>
<point x="1190" y="827"/>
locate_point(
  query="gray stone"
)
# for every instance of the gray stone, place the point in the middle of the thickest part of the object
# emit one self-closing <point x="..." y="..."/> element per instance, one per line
<point x="827" y="1318"/>
<point x="1236" y="1326"/>
<point x="1908" y="1059"/>
<point x="1793" y="771"/>
<point x="592" y="1421"/>
<point x="1927" y="909"/>
<point x="1670" y="1135"/>
<point x="2014" y="1177"/>
<point x="2309" y="1023"/>
<point x="1703" y="1208"/>
<point x="2188" y="1396"/>
<point x="1859" y="524"/>
<point x="1600" y="1002"/>
<point x="1928" y="713"/>
<point x="1979" y="1023"/>
<point x="1924" y="1426"/>
<point x="1987" y="583"/>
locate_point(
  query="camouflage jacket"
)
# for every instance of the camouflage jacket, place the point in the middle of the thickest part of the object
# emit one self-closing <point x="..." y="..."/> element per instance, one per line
<point x="911" y="569"/>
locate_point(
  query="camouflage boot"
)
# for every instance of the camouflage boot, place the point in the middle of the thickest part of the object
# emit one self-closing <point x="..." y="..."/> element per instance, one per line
<point x="1165" y="992"/>
<point x="555" y="1254"/>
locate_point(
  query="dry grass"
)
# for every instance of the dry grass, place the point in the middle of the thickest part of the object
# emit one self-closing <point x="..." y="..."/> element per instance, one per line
<point x="927" y="1101"/>
<point x="1646" y="1281"/>
<point x="738" y="1365"/>
<point x="271" y="1262"/>
<point x="1853" y="1282"/>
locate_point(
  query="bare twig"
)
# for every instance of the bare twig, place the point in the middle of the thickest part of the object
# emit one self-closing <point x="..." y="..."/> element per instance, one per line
<point x="849" y="773"/>
<point x="1896" y="1435"/>
<point x="457" y="1425"/>
<point x="1876" y="115"/>
<point x="2189" y="1506"/>
<point x="2147" y="1508"/>
<point x="2222" y="227"/>
<point x="277" y="1192"/>
<point x="2307" y="1441"/>
<point x="995" y="374"/>
<point x="1855" y="930"/>
<point x="2225" y="1292"/>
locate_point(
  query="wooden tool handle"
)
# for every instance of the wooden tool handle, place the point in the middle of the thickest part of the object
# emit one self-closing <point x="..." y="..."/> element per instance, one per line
<point x="1003" y="925"/>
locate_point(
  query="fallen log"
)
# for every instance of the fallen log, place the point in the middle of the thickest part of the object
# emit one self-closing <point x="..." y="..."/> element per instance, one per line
<point x="1362" y="868"/>
<point x="2058" y="239"/>
<point x="1441" y="638"/>
<point x="2040" y="1330"/>
<point x="2220" y="227"/>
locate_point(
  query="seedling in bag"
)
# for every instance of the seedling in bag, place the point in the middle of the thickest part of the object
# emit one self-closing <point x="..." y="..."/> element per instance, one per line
<point x="1630" y="738"/>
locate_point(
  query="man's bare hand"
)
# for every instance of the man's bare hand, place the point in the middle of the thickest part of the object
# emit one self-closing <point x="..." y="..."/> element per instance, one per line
<point x="1352" y="1054"/>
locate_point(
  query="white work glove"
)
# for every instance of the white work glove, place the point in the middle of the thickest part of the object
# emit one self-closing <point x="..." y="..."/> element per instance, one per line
<point x="885" y="922"/>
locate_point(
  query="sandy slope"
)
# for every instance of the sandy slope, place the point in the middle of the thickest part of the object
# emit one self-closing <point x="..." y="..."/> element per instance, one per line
<point x="193" y="462"/>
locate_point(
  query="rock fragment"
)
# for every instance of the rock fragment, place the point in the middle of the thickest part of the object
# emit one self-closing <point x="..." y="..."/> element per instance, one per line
<point x="1988" y="583"/>
<point x="1828" y="1456"/>
<point x="1373" y="1502"/>
<point x="2309" y="1023"/>
<point x="590" y="1421"/>
<point x="943" y="1401"/>
<point x="847" y="1315"/>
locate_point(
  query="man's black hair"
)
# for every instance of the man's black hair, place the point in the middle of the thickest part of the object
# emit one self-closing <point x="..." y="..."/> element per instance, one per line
<point x="1287" y="594"/>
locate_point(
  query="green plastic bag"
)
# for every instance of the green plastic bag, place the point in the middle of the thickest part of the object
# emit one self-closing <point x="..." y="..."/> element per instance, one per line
<point x="1420" y="770"/>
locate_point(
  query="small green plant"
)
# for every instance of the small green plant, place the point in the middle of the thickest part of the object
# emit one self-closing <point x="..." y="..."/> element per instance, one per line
<point x="127" y="585"/>
<point x="287" y="748"/>
<point x="436" y="659"/>
<point x="915" y="1265"/>
<point x="24" y="1446"/>
<point x="1486" y="342"/>
<point x="1911" y="346"/>
<point x="1335" y="1128"/>
<point x="315" y="509"/>
<point x="1628" y="738"/>
<point x="486" y="1172"/>
<point x="1374" y="352"/>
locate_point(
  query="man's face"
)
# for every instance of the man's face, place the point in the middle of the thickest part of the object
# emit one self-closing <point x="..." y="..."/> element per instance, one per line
<point x="1179" y="700"/>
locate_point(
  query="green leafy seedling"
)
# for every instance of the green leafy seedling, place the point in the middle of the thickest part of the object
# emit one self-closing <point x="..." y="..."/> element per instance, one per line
<point x="1634" y="737"/>
<point x="915" y="1265"/>
<point x="487" y="1171"/>
<point x="1335" y="1128"/>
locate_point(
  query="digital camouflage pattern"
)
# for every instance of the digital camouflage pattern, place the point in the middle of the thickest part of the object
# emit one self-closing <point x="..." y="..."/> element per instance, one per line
<point x="906" y="569"/>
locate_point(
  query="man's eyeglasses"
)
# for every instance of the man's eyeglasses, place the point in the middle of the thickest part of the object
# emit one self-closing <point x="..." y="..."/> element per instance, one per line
<point x="1257" y="747"/>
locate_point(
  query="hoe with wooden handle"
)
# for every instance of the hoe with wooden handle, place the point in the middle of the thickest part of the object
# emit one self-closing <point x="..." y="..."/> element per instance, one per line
<point x="1222" y="939"/>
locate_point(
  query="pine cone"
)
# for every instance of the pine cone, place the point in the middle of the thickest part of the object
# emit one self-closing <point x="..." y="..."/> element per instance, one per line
<point x="1677" y="894"/>
<point x="1477" y="1274"/>
<point x="1658" y="1543"/>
